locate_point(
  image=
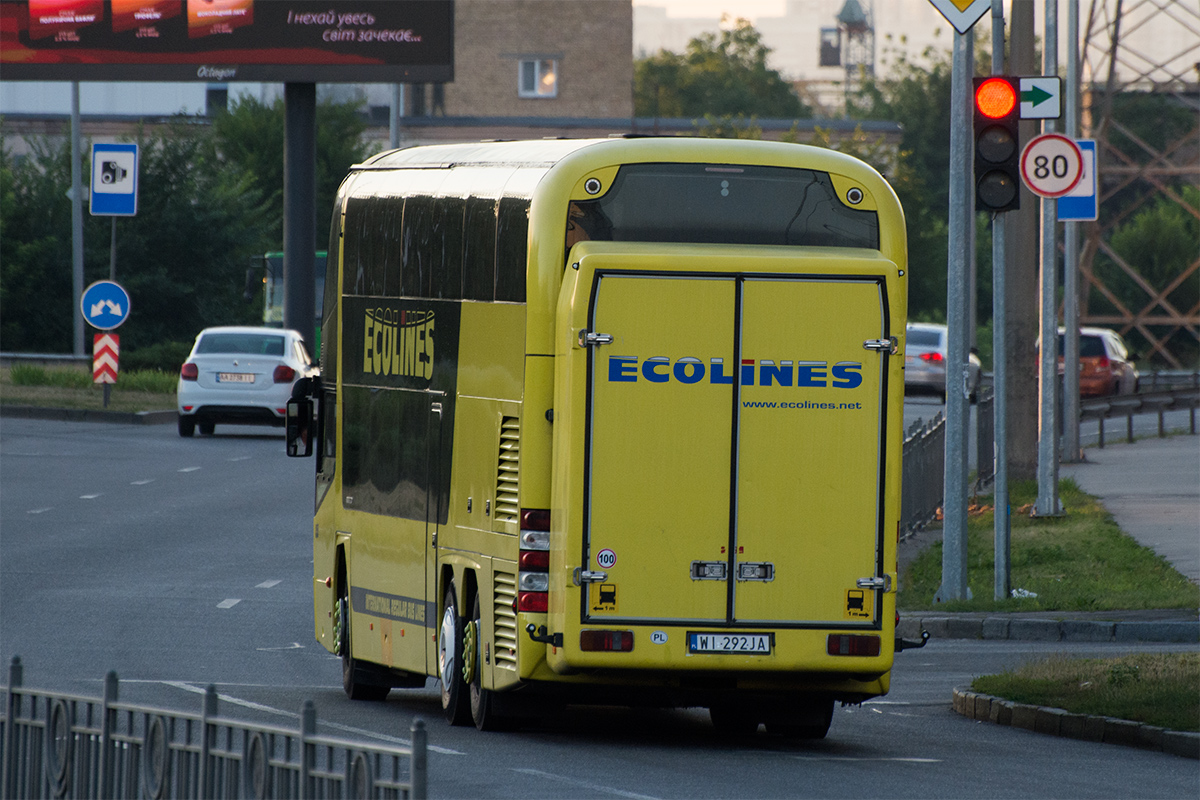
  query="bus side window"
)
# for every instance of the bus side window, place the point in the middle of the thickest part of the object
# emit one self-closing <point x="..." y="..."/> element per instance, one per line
<point x="479" y="249"/>
<point x="512" y="234"/>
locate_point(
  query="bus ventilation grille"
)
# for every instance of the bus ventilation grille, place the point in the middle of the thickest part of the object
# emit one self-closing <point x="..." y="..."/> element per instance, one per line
<point x="508" y="469"/>
<point x="505" y="619"/>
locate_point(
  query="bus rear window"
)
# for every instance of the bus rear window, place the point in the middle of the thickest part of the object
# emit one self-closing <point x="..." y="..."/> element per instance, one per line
<point x="728" y="204"/>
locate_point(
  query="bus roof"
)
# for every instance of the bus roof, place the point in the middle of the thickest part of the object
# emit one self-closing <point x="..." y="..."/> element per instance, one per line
<point x="545" y="153"/>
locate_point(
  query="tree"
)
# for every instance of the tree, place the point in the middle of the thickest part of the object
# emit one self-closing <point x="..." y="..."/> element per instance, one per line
<point x="210" y="198"/>
<point x="722" y="76"/>
<point x="249" y="138"/>
<point x="1159" y="243"/>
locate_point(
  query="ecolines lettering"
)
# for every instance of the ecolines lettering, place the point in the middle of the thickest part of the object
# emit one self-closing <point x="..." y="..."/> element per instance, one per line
<point x="398" y="343"/>
<point x="803" y="374"/>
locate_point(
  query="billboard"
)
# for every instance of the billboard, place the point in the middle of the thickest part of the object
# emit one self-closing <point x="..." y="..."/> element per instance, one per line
<point x="272" y="41"/>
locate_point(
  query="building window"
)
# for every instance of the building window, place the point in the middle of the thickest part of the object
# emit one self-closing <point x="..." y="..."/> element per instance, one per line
<point x="538" y="78"/>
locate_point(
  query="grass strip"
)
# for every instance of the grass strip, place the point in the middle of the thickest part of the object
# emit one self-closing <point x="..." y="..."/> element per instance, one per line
<point x="1152" y="688"/>
<point x="1078" y="562"/>
<point x="32" y="385"/>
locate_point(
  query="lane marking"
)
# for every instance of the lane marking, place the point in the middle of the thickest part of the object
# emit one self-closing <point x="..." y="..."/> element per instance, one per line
<point x="237" y="701"/>
<point x="189" y="469"/>
<point x="267" y="584"/>
<point x="142" y="483"/>
<point x="865" y="759"/>
<point x="39" y="510"/>
<point x="241" y="458"/>
<point x="230" y="603"/>
<point x="292" y="646"/>
<point x="591" y="787"/>
<point x="90" y="496"/>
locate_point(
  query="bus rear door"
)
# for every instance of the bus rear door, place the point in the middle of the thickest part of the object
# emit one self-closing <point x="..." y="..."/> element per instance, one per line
<point x="734" y="444"/>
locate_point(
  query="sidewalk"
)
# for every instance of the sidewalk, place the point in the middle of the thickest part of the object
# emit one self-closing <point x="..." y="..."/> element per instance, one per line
<point x="1152" y="489"/>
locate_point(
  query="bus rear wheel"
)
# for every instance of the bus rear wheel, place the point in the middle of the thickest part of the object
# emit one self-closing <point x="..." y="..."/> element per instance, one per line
<point x="803" y="719"/>
<point x="730" y="720"/>
<point x="483" y="701"/>
<point x="455" y="703"/>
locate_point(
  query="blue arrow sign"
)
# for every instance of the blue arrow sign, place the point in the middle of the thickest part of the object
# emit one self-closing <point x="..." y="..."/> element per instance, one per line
<point x="114" y="180"/>
<point x="105" y="305"/>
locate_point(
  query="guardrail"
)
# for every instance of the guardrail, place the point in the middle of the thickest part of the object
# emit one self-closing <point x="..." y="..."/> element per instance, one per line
<point x="1145" y="402"/>
<point x="924" y="444"/>
<point x="67" y="746"/>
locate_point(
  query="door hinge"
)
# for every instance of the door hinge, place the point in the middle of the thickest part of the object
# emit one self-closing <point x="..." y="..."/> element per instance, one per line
<point x="588" y="338"/>
<point x="884" y="583"/>
<point x="582" y="576"/>
<point x="888" y="346"/>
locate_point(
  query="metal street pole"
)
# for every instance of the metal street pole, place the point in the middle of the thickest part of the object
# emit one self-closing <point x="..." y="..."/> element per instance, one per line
<point x="1001" y="511"/>
<point x="76" y="220"/>
<point x="1071" y="448"/>
<point x="962" y="198"/>
<point x="300" y="210"/>
<point x="1047" y="471"/>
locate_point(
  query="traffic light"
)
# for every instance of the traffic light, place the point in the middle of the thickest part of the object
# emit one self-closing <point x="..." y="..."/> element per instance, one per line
<point x="997" y="144"/>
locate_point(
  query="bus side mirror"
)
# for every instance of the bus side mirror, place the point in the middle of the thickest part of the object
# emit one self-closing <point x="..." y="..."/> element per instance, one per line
<point x="298" y="426"/>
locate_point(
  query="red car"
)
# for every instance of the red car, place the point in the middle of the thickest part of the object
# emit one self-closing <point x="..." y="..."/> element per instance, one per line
<point x="1105" y="363"/>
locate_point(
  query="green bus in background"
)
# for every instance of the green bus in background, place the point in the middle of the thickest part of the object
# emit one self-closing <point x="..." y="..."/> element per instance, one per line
<point x="270" y="266"/>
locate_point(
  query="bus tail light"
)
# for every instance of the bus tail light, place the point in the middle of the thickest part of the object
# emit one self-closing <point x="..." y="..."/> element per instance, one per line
<point x="846" y="644"/>
<point x="606" y="641"/>
<point x="534" y="602"/>
<point x="533" y="581"/>
<point x="189" y="372"/>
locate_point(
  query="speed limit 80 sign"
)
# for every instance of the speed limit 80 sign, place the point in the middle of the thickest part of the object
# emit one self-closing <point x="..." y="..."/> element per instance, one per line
<point x="1051" y="165"/>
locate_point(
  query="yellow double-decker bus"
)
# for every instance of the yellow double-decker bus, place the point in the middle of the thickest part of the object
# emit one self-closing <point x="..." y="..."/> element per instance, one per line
<point x="612" y="421"/>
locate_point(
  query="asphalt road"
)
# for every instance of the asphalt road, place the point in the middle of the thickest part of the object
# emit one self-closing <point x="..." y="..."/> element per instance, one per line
<point x="182" y="563"/>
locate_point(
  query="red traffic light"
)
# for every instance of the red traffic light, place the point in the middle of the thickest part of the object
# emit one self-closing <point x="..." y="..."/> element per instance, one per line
<point x="996" y="98"/>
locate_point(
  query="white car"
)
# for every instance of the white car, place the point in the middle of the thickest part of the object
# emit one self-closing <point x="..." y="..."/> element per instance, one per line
<point x="240" y="375"/>
<point x="926" y="347"/>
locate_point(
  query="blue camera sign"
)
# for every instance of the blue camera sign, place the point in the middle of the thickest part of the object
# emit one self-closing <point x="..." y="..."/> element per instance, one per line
<point x="114" y="180"/>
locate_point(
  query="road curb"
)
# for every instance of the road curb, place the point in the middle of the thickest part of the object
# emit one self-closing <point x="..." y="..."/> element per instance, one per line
<point x="1051" y="630"/>
<point x="1085" y="727"/>
<point x="90" y="415"/>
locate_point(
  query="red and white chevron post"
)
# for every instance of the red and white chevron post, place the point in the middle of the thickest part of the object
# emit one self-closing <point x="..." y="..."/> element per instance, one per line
<point x="106" y="347"/>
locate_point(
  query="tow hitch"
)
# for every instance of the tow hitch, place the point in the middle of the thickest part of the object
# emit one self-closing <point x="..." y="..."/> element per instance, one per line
<point x="909" y="644"/>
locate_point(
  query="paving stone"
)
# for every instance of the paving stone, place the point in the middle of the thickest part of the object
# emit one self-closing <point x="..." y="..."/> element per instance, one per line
<point x="1163" y="631"/>
<point x="1079" y="630"/>
<point x="1181" y="743"/>
<point x="1122" y="731"/>
<point x="995" y="628"/>
<point x="1024" y="716"/>
<point x="1048" y="720"/>
<point x="964" y="628"/>
<point x="1041" y="630"/>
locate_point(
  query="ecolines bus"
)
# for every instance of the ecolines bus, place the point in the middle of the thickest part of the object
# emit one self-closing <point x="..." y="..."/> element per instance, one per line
<point x="611" y="421"/>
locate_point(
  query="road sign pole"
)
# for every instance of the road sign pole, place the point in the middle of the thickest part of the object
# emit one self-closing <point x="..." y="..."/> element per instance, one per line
<point x="112" y="252"/>
<point x="1000" y="515"/>
<point x="1071" y="449"/>
<point x="954" y="504"/>
<point x="76" y="218"/>
<point x="1047" y="504"/>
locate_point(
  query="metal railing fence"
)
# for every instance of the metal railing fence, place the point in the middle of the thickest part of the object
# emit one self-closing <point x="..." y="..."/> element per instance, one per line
<point x="67" y="746"/>
<point x="923" y="472"/>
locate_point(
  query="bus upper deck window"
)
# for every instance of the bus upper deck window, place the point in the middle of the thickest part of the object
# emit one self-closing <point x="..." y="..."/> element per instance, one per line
<point x="727" y="204"/>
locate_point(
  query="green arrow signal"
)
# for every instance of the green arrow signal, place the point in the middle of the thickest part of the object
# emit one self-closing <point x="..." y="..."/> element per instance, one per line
<point x="1037" y="95"/>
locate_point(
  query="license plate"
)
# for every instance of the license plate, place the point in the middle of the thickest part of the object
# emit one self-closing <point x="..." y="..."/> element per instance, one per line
<point x="752" y="644"/>
<point x="235" y="377"/>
